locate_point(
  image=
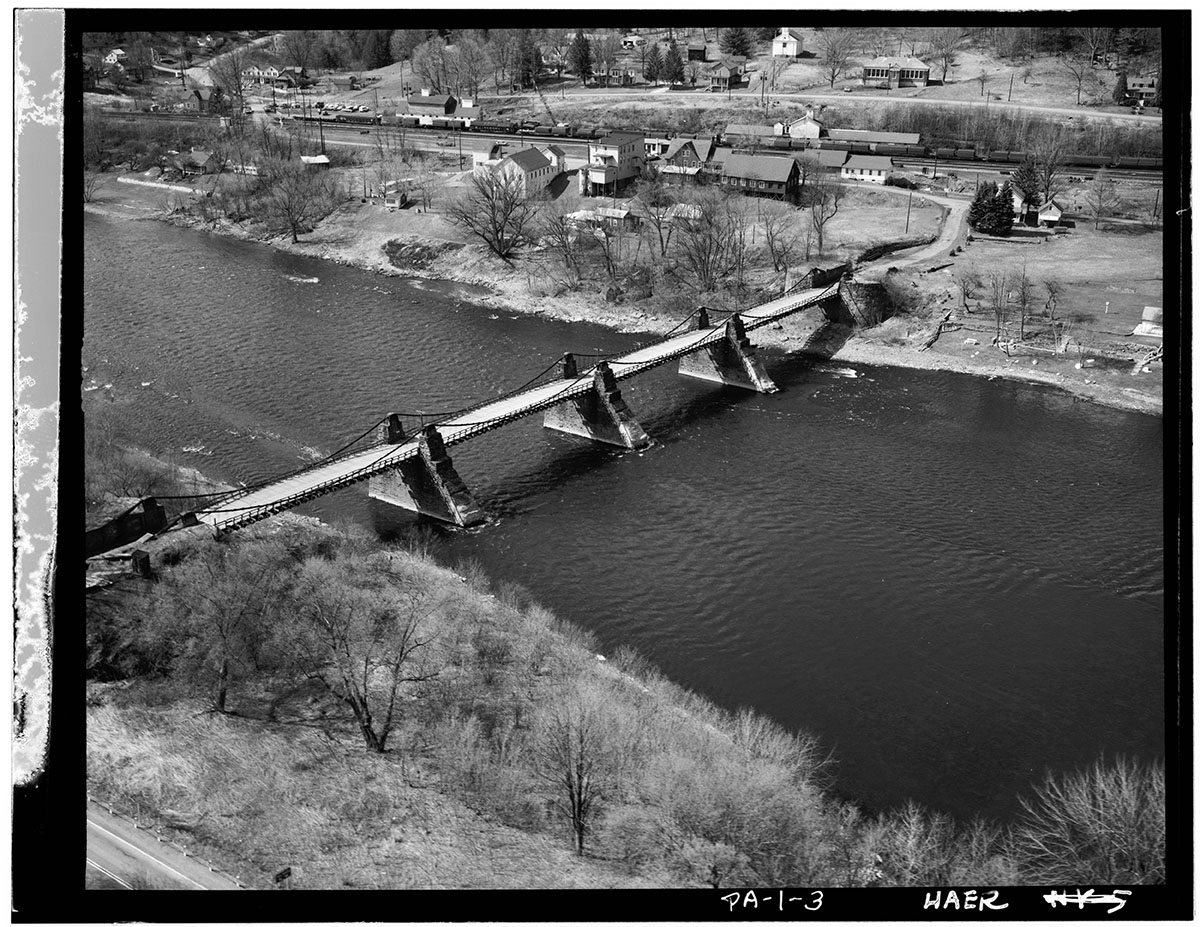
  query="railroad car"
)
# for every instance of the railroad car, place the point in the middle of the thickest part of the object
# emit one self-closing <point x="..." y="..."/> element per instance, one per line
<point x="1087" y="160"/>
<point x="497" y="126"/>
<point x="893" y="150"/>
<point x="965" y="154"/>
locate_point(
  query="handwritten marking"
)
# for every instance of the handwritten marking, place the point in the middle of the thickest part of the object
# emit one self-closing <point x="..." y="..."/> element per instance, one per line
<point x="971" y="900"/>
<point x="1055" y="898"/>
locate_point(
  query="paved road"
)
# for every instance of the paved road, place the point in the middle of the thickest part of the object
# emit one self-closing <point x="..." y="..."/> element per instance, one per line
<point x="126" y="854"/>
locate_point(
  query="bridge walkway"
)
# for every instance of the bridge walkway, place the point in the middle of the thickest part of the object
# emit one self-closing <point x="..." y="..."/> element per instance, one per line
<point x="245" y="506"/>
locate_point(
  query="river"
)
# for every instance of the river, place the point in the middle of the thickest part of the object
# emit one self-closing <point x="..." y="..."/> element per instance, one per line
<point x="957" y="584"/>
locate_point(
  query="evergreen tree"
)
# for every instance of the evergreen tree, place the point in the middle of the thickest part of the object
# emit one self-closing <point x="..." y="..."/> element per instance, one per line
<point x="978" y="210"/>
<point x="1120" y="88"/>
<point x="1025" y="178"/>
<point x="673" y="66"/>
<point x="580" y="56"/>
<point x="1157" y="101"/>
<point x="529" y="59"/>
<point x="737" y="41"/>
<point x="653" y="69"/>
<point x="1000" y="212"/>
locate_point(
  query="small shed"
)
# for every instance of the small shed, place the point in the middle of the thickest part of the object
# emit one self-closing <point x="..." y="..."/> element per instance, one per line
<point x="1151" y="324"/>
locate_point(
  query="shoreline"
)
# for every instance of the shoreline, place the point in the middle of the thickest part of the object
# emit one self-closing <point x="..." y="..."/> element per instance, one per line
<point x="466" y="266"/>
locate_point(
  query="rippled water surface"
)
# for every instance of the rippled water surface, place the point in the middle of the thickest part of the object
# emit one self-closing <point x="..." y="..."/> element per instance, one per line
<point x="956" y="583"/>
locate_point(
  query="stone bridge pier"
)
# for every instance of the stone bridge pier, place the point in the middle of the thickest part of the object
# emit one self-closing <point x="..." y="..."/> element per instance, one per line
<point x="732" y="360"/>
<point x="427" y="483"/>
<point x="599" y="414"/>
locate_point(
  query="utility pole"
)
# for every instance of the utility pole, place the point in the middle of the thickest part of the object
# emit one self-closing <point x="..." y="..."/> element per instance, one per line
<point x="909" y="213"/>
<point x="1010" y="86"/>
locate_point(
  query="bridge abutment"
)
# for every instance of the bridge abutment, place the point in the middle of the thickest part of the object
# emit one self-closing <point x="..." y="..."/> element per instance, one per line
<point x="732" y="361"/>
<point x="428" y="484"/>
<point x="599" y="414"/>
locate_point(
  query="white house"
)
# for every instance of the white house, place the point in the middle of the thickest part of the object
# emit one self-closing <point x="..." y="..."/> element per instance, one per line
<point x="1047" y="214"/>
<point x="788" y="44"/>
<point x="870" y="168"/>
<point x="807" y="126"/>
<point x="116" y="56"/>
<point x="530" y="168"/>
<point x="556" y="156"/>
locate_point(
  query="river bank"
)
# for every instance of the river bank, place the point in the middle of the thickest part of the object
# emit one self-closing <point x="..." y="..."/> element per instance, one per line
<point x="422" y="245"/>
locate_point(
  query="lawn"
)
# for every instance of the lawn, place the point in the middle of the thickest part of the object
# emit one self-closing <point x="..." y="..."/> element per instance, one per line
<point x="1120" y="266"/>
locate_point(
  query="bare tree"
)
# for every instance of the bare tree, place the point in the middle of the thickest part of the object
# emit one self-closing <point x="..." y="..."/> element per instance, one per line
<point x="702" y="238"/>
<point x="296" y="196"/>
<point x="227" y="72"/>
<point x="653" y="206"/>
<point x="1054" y="290"/>
<point x="824" y="198"/>
<point x="299" y="48"/>
<point x="1096" y="38"/>
<point x="779" y="231"/>
<point x="431" y="63"/>
<point x="1105" y="825"/>
<point x="579" y="756"/>
<point x="1048" y="152"/>
<point x="605" y="50"/>
<point x="998" y="285"/>
<point x="559" y="41"/>
<point x="502" y="49"/>
<point x="366" y="637"/>
<point x="1079" y="70"/>
<point x="566" y="240"/>
<point x="835" y="49"/>
<point x="1101" y="197"/>
<point x="968" y="283"/>
<point x="428" y="182"/>
<point x="1023" y="298"/>
<point x="496" y="212"/>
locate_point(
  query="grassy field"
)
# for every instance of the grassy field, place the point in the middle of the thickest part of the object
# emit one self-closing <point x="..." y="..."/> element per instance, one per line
<point x="1120" y="266"/>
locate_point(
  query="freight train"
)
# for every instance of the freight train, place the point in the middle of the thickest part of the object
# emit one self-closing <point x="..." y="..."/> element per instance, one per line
<point x="495" y="126"/>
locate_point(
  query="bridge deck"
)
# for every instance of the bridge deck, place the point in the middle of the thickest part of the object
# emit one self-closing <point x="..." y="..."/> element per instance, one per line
<point x="293" y="489"/>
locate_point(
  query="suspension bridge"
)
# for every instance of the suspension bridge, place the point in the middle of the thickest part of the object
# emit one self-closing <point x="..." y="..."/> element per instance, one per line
<point x="404" y="455"/>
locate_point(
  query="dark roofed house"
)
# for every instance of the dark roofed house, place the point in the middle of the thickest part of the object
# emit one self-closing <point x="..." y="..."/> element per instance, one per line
<point x="697" y="51"/>
<point x="432" y="104"/>
<point x="724" y="75"/>
<point x="196" y="161"/>
<point x="289" y="78"/>
<point x="208" y="99"/>
<point x="830" y="159"/>
<point x="761" y="175"/>
<point x="687" y="158"/>
<point x="343" y="82"/>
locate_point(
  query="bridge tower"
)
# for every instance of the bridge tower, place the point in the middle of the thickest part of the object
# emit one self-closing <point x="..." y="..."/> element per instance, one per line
<point x="426" y="483"/>
<point x="732" y="360"/>
<point x="599" y="414"/>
